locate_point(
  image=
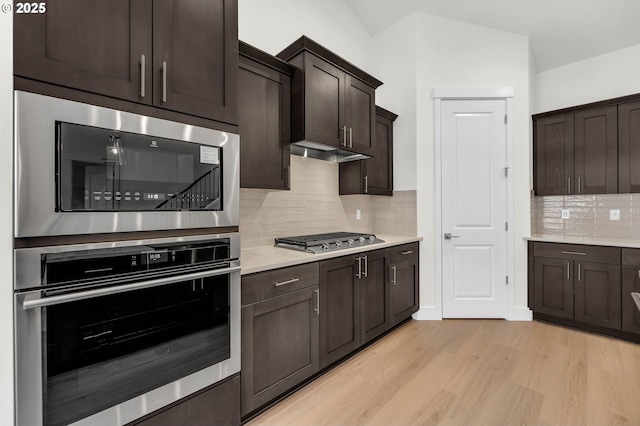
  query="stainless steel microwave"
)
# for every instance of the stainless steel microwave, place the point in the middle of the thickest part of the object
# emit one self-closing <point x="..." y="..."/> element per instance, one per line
<point x="84" y="169"/>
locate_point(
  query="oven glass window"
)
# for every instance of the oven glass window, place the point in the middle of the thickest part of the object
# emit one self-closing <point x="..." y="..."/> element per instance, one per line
<point x="105" y="170"/>
<point x="106" y="350"/>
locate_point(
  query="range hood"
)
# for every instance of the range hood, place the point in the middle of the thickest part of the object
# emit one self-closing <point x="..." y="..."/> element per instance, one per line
<point x="310" y="149"/>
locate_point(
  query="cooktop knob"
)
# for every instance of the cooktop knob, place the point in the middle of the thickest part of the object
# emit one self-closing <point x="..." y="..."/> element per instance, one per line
<point x="325" y="246"/>
<point x="350" y="242"/>
<point x="338" y="244"/>
<point x="372" y="238"/>
<point x="362" y="240"/>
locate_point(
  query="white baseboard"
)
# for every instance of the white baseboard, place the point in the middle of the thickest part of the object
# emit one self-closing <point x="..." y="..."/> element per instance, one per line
<point x="521" y="313"/>
<point x="432" y="313"/>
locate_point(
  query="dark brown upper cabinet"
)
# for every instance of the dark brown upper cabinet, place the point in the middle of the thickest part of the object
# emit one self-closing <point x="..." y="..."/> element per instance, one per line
<point x="596" y="151"/>
<point x="175" y="55"/>
<point x="333" y="101"/>
<point x="577" y="153"/>
<point x="264" y="118"/>
<point x="629" y="147"/>
<point x="553" y="155"/>
<point x="373" y="175"/>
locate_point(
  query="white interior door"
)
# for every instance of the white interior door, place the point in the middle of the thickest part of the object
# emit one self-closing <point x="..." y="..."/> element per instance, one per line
<point x="474" y="208"/>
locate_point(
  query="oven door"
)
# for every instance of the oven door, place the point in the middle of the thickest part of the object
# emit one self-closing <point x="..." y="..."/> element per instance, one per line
<point x="108" y="356"/>
<point x="84" y="169"/>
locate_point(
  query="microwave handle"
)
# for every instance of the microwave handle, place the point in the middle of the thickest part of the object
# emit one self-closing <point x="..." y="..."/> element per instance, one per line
<point x="33" y="301"/>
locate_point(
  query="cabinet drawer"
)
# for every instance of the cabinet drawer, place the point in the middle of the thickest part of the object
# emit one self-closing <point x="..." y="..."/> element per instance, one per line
<point x="577" y="252"/>
<point x="264" y="285"/>
<point x="631" y="257"/>
<point x="404" y="252"/>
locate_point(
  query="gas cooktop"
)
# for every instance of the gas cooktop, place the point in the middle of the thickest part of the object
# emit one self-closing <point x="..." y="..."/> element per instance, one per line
<point x="320" y="243"/>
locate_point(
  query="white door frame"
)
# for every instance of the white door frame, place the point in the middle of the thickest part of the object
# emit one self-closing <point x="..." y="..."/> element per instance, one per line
<point x="446" y="93"/>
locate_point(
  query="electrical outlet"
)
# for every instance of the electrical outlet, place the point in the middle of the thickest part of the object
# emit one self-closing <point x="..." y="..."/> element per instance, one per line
<point x="614" y="214"/>
<point x="565" y="213"/>
<point x="358" y="214"/>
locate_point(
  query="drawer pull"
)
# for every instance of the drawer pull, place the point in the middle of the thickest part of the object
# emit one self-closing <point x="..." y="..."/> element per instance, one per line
<point x="291" y="281"/>
<point x="394" y="278"/>
<point x="317" y="308"/>
<point x="568" y="269"/>
<point x="574" y="252"/>
<point x="406" y="252"/>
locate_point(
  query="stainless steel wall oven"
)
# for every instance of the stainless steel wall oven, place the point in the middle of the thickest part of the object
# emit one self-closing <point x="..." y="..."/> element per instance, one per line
<point x="83" y="169"/>
<point x="109" y="332"/>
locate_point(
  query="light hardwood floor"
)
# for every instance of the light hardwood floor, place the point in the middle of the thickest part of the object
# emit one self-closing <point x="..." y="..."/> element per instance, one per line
<point x="475" y="372"/>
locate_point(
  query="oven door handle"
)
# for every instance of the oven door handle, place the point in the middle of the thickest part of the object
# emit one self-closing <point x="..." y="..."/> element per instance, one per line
<point x="34" y="301"/>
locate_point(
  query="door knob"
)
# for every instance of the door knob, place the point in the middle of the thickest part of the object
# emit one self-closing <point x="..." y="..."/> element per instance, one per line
<point x="448" y="236"/>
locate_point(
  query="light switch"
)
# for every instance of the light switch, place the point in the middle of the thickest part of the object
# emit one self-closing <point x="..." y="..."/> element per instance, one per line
<point x="614" y="214"/>
<point x="565" y="213"/>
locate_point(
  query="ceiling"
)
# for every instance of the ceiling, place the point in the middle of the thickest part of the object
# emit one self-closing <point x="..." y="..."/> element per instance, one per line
<point x="560" y="31"/>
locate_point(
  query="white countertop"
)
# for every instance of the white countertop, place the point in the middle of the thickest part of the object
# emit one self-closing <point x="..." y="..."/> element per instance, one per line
<point x="594" y="241"/>
<point x="264" y="258"/>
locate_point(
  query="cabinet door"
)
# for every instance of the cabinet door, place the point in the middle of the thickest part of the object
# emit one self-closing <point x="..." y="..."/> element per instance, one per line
<point x="264" y="118"/>
<point x="630" y="312"/>
<point x="374" y="295"/>
<point x="324" y="102"/>
<point x="553" y="287"/>
<point x="361" y="112"/>
<point x="596" y="151"/>
<point x="553" y="155"/>
<point x="629" y="146"/>
<point x="195" y="57"/>
<point x="352" y="177"/>
<point x="339" y="309"/>
<point x="96" y="46"/>
<point x="279" y="345"/>
<point x="404" y="289"/>
<point x="379" y="168"/>
<point x="597" y="294"/>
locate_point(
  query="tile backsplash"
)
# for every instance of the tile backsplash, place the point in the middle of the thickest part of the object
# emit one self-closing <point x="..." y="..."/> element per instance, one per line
<point x="313" y="205"/>
<point x="589" y="215"/>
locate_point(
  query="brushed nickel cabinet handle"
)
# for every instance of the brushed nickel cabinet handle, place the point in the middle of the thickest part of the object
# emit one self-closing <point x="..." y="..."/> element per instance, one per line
<point x="344" y="136"/>
<point x="143" y="71"/>
<point x="394" y="278"/>
<point x="406" y="252"/>
<point x="291" y="281"/>
<point x="579" y="267"/>
<point x="568" y="269"/>
<point x="366" y="266"/>
<point x="164" y="81"/>
<point x="366" y="184"/>
<point x="359" y="273"/>
<point x="574" y="252"/>
<point x="350" y="137"/>
<point x="579" y="185"/>
<point x="317" y="308"/>
<point x="569" y="185"/>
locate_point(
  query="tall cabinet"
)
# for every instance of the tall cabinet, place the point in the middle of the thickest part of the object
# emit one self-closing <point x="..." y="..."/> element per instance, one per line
<point x="174" y="55"/>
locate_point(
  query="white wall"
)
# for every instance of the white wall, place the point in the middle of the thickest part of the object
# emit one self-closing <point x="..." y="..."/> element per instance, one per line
<point x="602" y="77"/>
<point x="6" y="219"/>
<point x="455" y="54"/>
<point x="273" y="25"/>
<point x="393" y="61"/>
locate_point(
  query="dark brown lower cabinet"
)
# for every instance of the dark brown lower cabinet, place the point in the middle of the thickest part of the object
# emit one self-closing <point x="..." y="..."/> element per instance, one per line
<point x="279" y="345"/>
<point x="580" y="285"/>
<point x="215" y="406"/>
<point x="630" y="283"/>
<point x="405" y="282"/>
<point x="298" y="320"/>
<point x="553" y="287"/>
<point x="280" y="332"/>
<point x="339" y="309"/>
<point x="597" y="294"/>
<point x="375" y="294"/>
